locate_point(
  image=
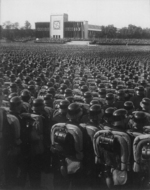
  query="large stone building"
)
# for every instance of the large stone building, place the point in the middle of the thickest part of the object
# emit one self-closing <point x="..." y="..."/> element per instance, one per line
<point x="60" y="27"/>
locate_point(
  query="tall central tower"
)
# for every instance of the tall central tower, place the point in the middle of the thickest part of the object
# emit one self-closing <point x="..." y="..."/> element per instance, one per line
<point x="57" y="25"/>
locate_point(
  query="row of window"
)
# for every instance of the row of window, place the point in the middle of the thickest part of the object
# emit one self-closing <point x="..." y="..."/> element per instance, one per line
<point x="56" y="36"/>
<point x="42" y="29"/>
<point x="66" y="29"/>
<point x="73" y="24"/>
<point x="72" y="29"/>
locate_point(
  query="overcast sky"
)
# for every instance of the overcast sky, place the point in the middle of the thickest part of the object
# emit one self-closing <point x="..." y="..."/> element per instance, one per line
<point x="120" y="13"/>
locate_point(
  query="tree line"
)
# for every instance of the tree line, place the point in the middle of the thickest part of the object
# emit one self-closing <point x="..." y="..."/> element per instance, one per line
<point x="13" y="30"/>
<point x="131" y="31"/>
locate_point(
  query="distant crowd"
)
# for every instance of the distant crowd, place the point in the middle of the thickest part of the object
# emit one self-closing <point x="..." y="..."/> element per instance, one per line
<point x="79" y="113"/>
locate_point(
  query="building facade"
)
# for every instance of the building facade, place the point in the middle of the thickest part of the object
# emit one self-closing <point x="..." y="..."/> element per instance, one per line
<point x="59" y="27"/>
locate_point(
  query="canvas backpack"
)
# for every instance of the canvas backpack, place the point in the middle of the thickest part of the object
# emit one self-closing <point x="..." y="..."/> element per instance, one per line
<point x="67" y="144"/>
<point x="113" y="149"/>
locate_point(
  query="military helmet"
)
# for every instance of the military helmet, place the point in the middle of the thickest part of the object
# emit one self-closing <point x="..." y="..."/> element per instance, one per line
<point x="38" y="79"/>
<point x="128" y="105"/>
<point x="81" y="83"/>
<point x="67" y="92"/>
<point x="95" y="94"/>
<point x="140" y="91"/>
<point x="6" y="91"/>
<point x="136" y="78"/>
<point x="18" y="81"/>
<point x="12" y="76"/>
<point x="51" y="90"/>
<point x="95" y="110"/>
<point x="102" y="91"/>
<point x="48" y="97"/>
<point x="143" y="82"/>
<point x="66" y="81"/>
<point x="118" y="116"/>
<point x="87" y="95"/>
<point x="93" y="102"/>
<point x="31" y="87"/>
<point x="25" y="95"/>
<point x="49" y="84"/>
<point x="15" y="101"/>
<point x="70" y="99"/>
<point x="12" y="95"/>
<point x="109" y="112"/>
<point x="38" y="102"/>
<point x="63" y="86"/>
<point x="64" y="104"/>
<point x="52" y="80"/>
<point x="120" y="93"/>
<point x="27" y="79"/>
<point x="13" y="86"/>
<point x="114" y="82"/>
<point x="56" y="86"/>
<point x="101" y="85"/>
<point x="119" y="87"/>
<point x="48" y="100"/>
<point x="139" y="117"/>
<point x="74" y="111"/>
<point x="145" y="103"/>
<point x="31" y="82"/>
<point x="98" y="81"/>
<point x="110" y="96"/>
<point x="84" y="88"/>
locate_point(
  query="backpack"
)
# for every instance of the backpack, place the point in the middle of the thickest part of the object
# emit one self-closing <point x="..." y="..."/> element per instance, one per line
<point x="113" y="149"/>
<point x="67" y="144"/>
<point x="141" y="153"/>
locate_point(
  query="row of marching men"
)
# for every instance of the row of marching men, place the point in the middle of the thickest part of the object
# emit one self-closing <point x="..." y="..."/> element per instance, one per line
<point x="68" y="139"/>
<point x="94" y="134"/>
<point x="86" y="154"/>
<point x="106" y="145"/>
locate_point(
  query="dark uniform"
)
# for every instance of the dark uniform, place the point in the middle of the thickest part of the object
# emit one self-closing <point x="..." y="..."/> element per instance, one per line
<point x="78" y="178"/>
<point x="59" y="116"/>
<point x="10" y="146"/>
<point x="95" y="124"/>
<point x="46" y="114"/>
<point x="139" y="95"/>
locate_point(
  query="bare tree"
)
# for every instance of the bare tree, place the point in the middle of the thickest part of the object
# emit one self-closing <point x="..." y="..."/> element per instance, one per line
<point x="15" y="25"/>
<point x="7" y="25"/>
<point x="27" y="25"/>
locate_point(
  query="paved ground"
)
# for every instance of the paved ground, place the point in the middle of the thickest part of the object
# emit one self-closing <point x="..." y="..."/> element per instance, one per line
<point x="78" y="43"/>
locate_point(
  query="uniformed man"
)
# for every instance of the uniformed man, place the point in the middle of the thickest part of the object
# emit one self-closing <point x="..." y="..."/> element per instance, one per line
<point x="108" y="117"/>
<point x="59" y="116"/>
<point x="139" y="121"/>
<point x="95" y="116"/>
<point x="48" y="100"/>
<point x="128" y="105"/>
<point x="10" y="146"/>
<point x="46" y="113"/>
<point x="87" y="97"/>
<point x="145" y="105"/>
<point x="120" y="120"/>
<point x="139" y="95"/>
<point x="110" y="101"/>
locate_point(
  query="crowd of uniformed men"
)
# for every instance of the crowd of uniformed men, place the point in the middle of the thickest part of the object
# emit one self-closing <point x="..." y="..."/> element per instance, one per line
<point x="82" y="117"/>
